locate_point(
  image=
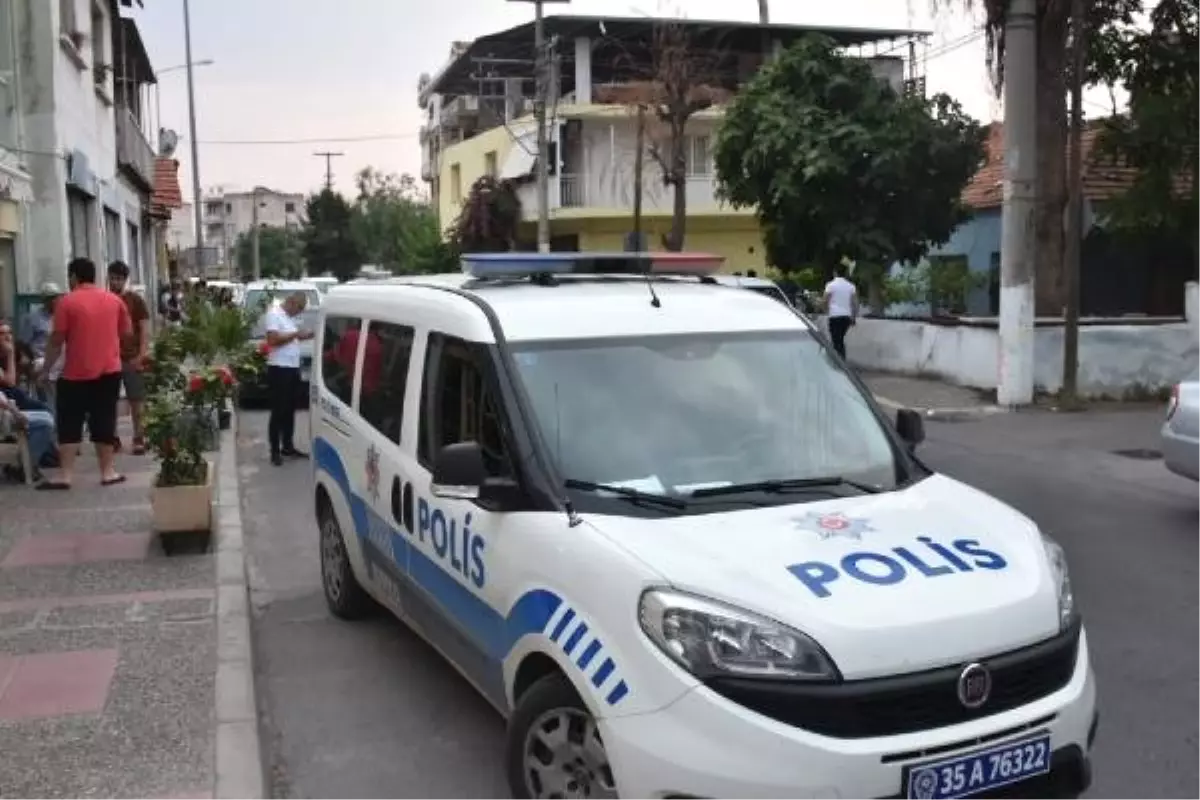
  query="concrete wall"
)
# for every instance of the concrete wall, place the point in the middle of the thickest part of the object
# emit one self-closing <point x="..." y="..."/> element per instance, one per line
<point x="1114" y="360"/>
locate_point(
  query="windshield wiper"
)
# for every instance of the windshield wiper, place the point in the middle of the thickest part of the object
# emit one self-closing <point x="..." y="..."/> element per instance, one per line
<point x="626" y="492"/>
<point x="786" y="485"/>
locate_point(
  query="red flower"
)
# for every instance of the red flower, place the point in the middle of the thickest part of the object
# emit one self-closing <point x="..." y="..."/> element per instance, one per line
<point x="264" y="349"/>
<point x="225" y="375"/>
<point x="196" y="384"/>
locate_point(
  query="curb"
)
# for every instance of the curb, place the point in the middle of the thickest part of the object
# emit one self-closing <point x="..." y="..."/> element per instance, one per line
<point x="944" y="414"/>
<point x="239" y="766"/>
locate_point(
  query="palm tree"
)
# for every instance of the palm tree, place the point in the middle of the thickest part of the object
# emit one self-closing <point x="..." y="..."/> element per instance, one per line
<point x="1053" y="25"/>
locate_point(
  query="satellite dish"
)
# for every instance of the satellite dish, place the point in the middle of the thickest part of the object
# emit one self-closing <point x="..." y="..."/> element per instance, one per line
<point x="168" y="140"/>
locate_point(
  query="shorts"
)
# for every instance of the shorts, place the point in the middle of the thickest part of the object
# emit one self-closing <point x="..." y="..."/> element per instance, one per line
<point x="93" y="402"/>
<point x="135" y="384"/>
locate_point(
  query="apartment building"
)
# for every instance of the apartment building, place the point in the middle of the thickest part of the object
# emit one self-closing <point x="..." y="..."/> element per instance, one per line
<point x="479" y="122"/>
<point x="227" y="214"/>
<point x="83" y="177"/>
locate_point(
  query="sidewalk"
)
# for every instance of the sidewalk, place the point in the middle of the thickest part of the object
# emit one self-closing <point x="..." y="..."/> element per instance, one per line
<point x="934" y="399"/>
<point x="108" y="647"/>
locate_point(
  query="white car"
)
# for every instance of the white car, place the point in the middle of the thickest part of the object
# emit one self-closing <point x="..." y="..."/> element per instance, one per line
<point x="677" y="545"/>
<point x="263" y="294"/>
<point x="323" y="282"/>
<point x="1181" y="429"/>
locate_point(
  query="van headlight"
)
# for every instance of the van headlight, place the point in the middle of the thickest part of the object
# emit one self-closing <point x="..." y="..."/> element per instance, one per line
<point x="708" y="638"/>
<point x="1062" y="582"/>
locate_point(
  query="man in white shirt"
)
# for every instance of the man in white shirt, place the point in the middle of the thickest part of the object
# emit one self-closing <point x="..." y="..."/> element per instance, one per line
<point x="283" y="374"/>
<point x="841" y="304"/>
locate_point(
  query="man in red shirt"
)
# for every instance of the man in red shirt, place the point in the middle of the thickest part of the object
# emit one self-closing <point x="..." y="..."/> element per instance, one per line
<point x="92" y="324"/>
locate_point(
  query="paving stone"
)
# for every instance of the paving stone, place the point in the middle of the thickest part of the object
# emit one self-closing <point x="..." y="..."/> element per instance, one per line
<point x="76" y="548"/>
<point x="102" y="616"/>
<point x="57" y="684"/>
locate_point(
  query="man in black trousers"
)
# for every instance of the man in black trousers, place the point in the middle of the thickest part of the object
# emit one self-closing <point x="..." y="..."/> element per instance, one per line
<point x="283" y="374"/>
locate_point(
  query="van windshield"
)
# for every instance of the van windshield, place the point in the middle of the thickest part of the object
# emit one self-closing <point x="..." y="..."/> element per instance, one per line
<point x="673" y="414"/>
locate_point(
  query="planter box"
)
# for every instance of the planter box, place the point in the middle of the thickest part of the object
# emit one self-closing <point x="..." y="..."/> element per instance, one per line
<point x="178" y="509"/>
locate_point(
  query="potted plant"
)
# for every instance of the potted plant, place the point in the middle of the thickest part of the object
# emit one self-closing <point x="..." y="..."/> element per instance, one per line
<point x="181" y="498"/>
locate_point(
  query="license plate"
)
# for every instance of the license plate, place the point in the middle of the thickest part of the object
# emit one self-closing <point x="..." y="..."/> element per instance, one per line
<point x="964" y="775"/>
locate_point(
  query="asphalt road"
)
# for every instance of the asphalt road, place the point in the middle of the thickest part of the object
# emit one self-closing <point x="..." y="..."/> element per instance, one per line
<point x="368" y="710"/>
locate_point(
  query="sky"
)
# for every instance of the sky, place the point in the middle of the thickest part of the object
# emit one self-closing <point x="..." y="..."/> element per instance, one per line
<point x="325" y="70"/>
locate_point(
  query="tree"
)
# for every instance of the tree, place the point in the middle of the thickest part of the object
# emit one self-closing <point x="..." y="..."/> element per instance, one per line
<point x="328" y="241"/>
<point x="683" y="78"/>
<point x="279" y="253"/>
<point x="838" y="165"/>
<point x="395" y="227"/>
<point x="489" y="219"/>
<point x="1053" y="33"/>
<point x="1157" y="135"/>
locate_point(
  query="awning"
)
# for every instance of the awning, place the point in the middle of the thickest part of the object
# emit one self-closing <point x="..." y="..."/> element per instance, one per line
<point x="521" y="158"/>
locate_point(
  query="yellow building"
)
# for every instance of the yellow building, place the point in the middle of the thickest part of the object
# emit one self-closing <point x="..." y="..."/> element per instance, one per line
<point x="479" y="122"/>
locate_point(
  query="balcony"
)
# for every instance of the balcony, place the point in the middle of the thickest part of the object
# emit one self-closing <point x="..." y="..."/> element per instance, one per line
<point x="134" y="153"/>
<point x="572" y="191"/>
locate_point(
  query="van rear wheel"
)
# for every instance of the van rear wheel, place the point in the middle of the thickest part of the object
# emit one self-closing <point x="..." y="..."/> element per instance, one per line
<point x="343" y="593"/>
<point x="554" y="747"/>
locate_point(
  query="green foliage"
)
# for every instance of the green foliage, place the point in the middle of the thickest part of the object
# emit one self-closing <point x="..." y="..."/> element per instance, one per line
<point x="328" y="239"/>
<point x="395" y="228"/>
<point x="489" y="219"/>
<point x="280" y="252"/>
<point x="176" y="439"/>
<point x="836" y="164"/>
<point x="1159" y="67"/>
<point x="944" y="282"/>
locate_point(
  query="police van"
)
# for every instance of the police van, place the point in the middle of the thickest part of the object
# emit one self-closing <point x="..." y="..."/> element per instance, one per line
<point x="666" y="532"/>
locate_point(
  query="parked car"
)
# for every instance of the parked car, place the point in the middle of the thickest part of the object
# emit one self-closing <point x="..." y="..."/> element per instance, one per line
<point x="322" y="282"/>
<point x="1181" y="429"/>
<point x="263" y="294"/>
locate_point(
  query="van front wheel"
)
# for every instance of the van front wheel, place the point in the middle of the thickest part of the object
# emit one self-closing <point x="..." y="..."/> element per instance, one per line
<point x="554" y="747"/>
<point x="343" y="594"/>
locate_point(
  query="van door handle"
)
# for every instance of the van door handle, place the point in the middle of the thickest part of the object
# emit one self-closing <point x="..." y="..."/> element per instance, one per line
<point x="396" y="504"/>
<point x="407" y="507"/>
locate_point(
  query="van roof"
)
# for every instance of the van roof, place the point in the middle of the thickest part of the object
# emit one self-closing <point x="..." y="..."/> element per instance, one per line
<point x="570" y="307"/>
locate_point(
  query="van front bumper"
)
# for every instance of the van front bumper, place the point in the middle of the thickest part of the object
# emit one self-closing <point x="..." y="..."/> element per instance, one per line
<point x="704" y="745"/>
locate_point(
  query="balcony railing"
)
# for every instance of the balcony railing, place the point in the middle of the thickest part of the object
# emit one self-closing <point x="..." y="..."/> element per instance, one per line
<point x="572" y="192"/>
<point x="134" y="152"/>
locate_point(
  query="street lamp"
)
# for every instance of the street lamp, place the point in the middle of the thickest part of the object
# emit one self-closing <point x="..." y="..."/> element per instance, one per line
<point x="157" y="105"/>
<point x="191" y="90"/>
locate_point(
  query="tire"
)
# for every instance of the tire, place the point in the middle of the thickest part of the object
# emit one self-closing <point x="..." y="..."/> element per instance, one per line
<point x="343" y="593"/>
<point x="578" y="767"/>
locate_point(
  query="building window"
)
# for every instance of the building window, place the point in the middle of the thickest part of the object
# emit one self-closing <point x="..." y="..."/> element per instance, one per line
<point x="135" y="254"/>
<point x="340" y="348"/>
<point x="455" y="184"/>
<point x="80" y="207"/>
<point x="67" y="23"/>
<point x="289" y="208"/>
<point x="100" y="65"/>
<point x="386" y="356"/>
<point x="212" y="208"/>
<point x="229" y="208"/>
<point x="489" y="163"/>
<point x="697" y="157"/>
<point x="112" y="236"/>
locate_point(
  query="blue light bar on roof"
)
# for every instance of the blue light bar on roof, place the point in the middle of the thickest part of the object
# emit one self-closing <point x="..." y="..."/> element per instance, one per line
<point x="524" y="265"/>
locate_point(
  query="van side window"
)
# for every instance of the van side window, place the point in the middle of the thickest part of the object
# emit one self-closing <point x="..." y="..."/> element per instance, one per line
<point x="339" y="347"/>
<point x="458" y="404"/>
<point x="386" y="355"/>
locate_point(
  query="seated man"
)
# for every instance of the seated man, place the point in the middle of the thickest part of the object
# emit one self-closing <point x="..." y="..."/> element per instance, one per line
<point x="39" y="433"/>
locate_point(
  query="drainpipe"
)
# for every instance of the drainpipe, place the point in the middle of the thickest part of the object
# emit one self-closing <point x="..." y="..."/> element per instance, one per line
<point x="18" y="87"/>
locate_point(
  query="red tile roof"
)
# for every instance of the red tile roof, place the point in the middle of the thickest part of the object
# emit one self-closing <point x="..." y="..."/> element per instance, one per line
<point x="167" y="194"/>
<point x="1102" y="180"/>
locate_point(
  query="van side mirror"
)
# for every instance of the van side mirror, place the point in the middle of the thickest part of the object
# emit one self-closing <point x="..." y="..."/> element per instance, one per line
<point x="458" y="471"/>
<point x="911" y="427"/>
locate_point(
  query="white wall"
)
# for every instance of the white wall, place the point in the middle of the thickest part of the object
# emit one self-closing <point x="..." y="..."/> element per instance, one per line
<point x="1113" y="359"/>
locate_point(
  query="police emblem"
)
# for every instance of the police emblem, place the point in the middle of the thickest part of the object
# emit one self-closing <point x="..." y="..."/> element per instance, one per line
<point x="373" y="472"/>
<point x="833" y="526"/>
<point x="924" y="783"/>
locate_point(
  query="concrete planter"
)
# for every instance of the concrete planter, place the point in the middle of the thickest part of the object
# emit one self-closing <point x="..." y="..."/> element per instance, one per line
<point x="183" y="509"/>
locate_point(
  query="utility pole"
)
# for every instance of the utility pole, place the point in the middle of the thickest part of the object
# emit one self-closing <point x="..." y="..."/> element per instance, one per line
<point x="543" y="147"/>
<point x="1017" y="241"/>
<point x="191" y="93"/>
<point x="638" y="165"/>
<point x="255" y="227"/>
<point x="1074" y="254"/>
<point x="328" y="167"/>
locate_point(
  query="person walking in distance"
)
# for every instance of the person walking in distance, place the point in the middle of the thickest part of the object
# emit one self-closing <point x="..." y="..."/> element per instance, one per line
<point x="841" y="305"/>
<point x="133" y="352"/>
<point x="283" y="375"/>
<point x="91" y="323"/>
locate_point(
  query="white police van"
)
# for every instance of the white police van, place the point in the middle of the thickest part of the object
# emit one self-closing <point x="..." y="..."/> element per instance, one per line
<point x="660" y="526"/>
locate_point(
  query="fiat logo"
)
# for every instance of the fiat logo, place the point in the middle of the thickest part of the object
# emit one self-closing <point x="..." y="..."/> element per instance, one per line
<point x="974" y="685"/>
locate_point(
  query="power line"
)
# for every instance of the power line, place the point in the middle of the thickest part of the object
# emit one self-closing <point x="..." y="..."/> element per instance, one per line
<point x="323" y="140"/>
